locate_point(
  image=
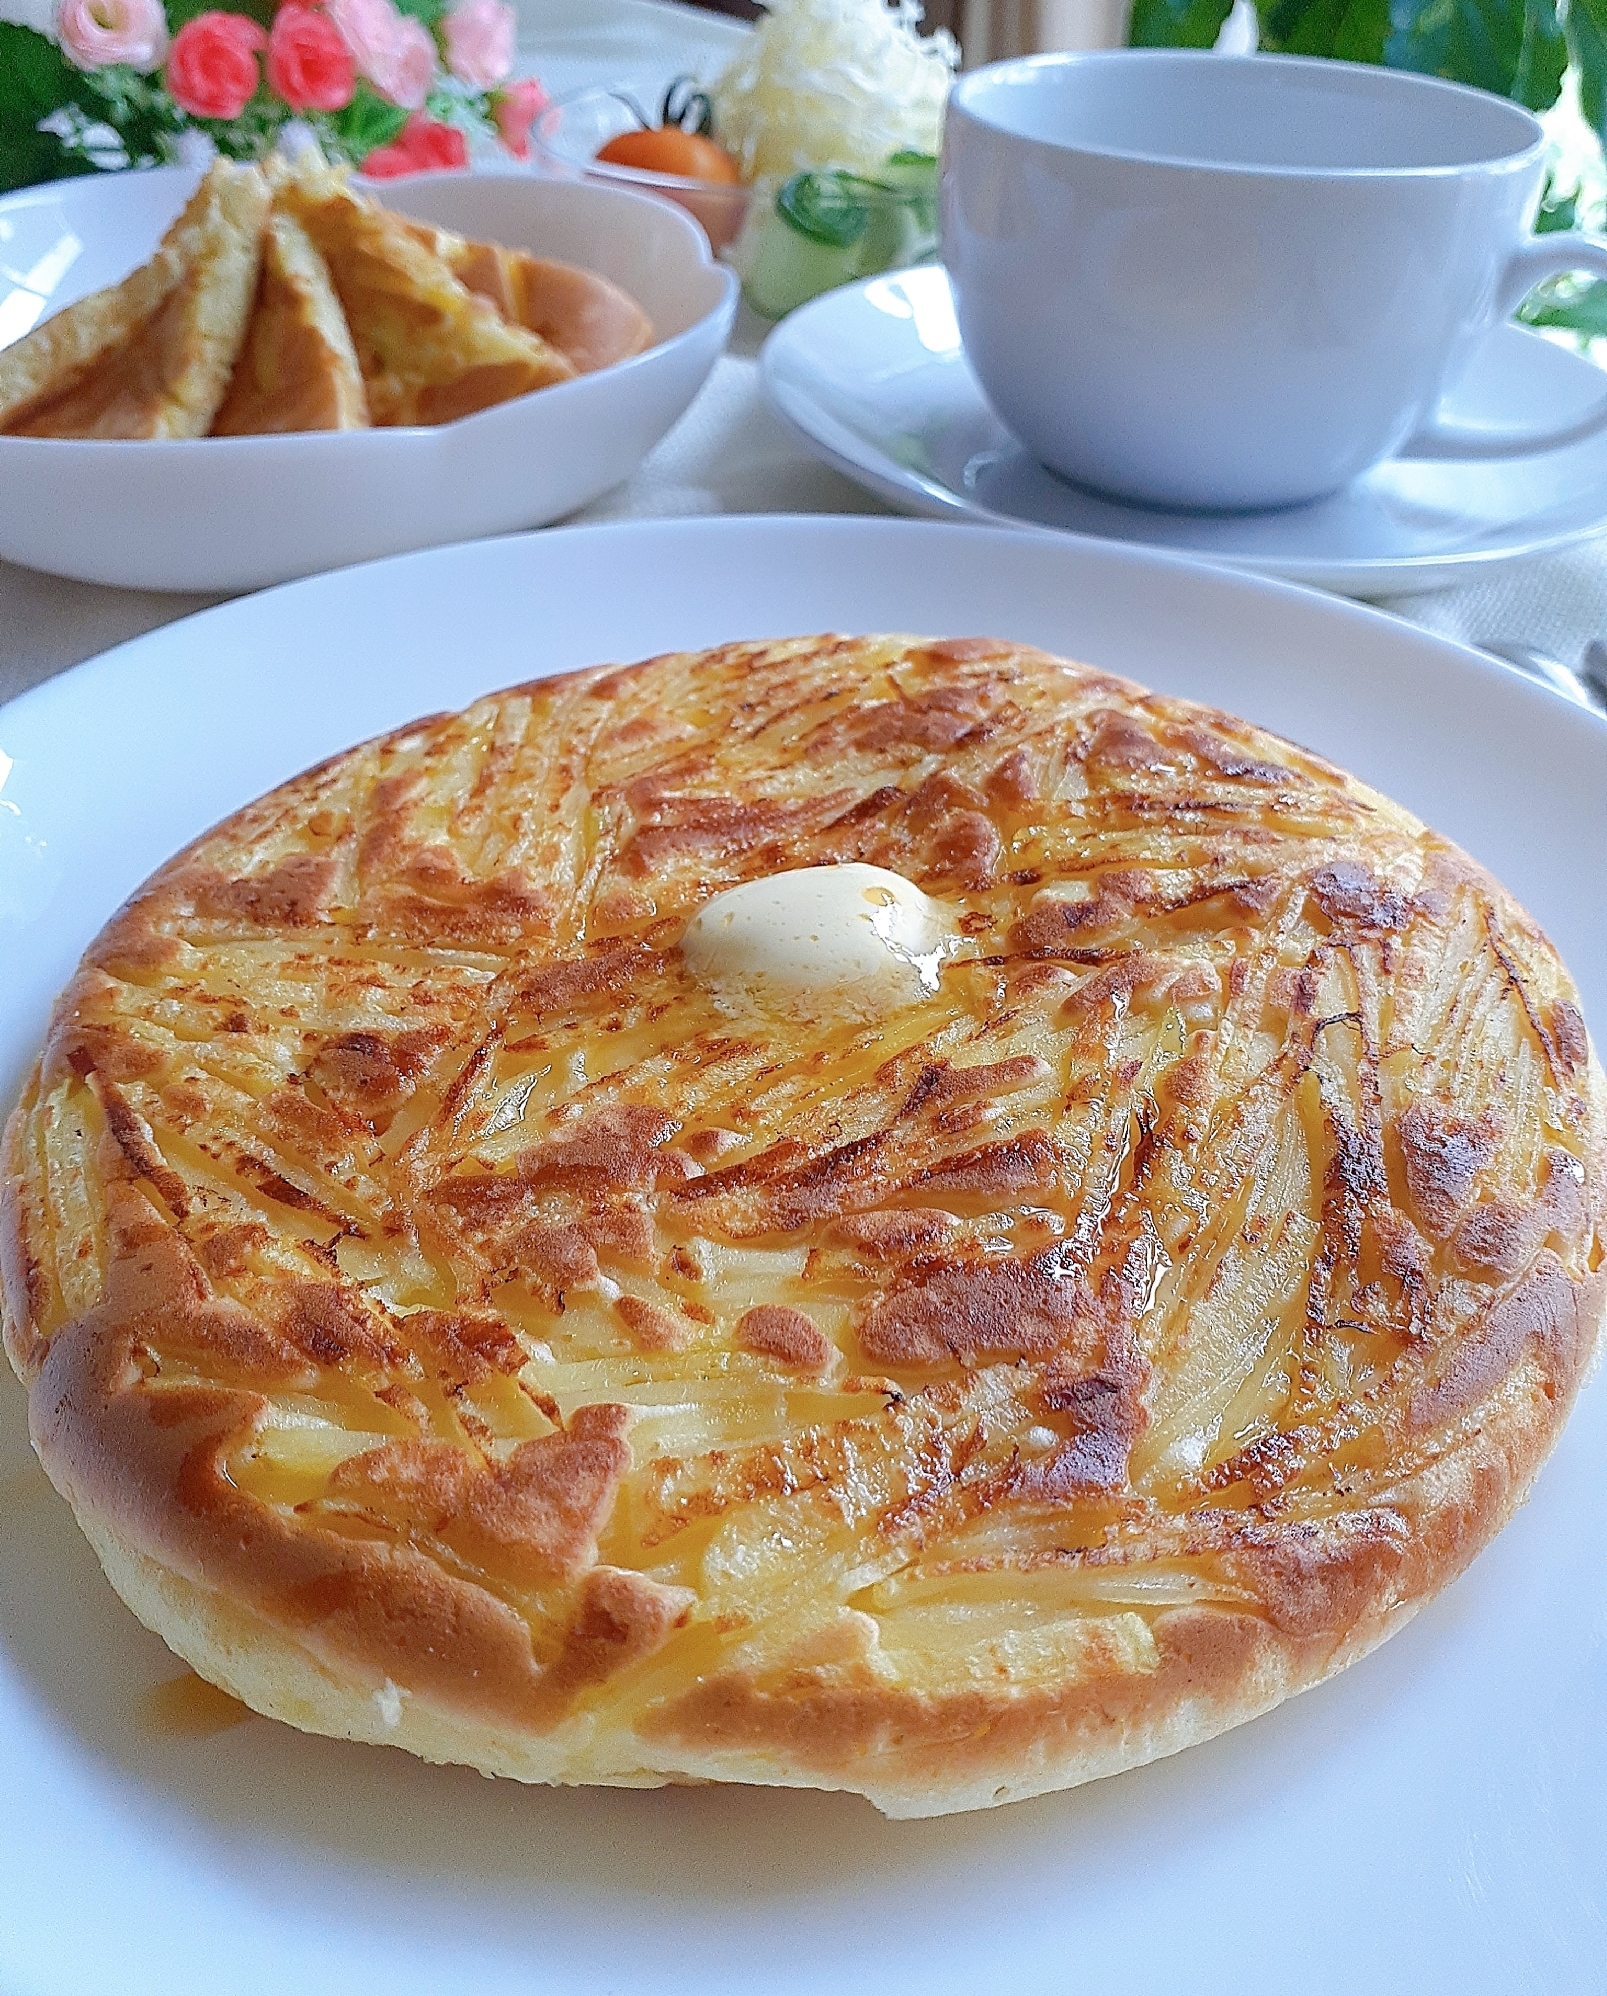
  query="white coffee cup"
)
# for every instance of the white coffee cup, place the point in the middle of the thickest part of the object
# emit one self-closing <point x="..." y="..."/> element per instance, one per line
<point x="1230" y="282"/>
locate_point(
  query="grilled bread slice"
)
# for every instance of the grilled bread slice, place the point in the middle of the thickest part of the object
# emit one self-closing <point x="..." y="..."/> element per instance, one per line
<point x="298" y="369"/>
<point x="455" y="1325"/>
<point x="429" y="349"/>
<point x="152" y="356"/>
<point x="591" y="322"/>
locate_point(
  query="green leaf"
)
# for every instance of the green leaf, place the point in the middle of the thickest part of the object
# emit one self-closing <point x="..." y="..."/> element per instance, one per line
<point x="1587" y="43"/>
<point x="1516" y="48"/>
<point x="119" y="92"/>
<point x="427" y="11"/>
<point x="367" y="121"/>
<point x="252" y="134"/>
<point x="29" y="157"/>
<point x="1176" y="24"/>
<point x="36" y="80"/>
<point x="1543" y="57"/>
<point x="1347" y="30"/>
<point x="180" y="11"/>
<point x="138" y="109"/>
<point x="1580" y="309"/>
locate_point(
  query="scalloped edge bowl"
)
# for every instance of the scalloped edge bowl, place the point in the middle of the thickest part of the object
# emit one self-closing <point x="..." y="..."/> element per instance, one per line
<point x="232" y="513"/>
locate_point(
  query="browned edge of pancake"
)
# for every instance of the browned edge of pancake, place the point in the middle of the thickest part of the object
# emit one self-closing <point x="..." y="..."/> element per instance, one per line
<point x="143" y="1467"/>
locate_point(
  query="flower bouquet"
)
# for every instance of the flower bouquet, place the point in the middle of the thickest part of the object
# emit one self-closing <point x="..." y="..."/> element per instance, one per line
<point x="393" y="86"/>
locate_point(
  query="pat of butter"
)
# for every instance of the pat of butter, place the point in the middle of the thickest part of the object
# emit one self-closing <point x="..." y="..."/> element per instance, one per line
<point x="821" y="939"/>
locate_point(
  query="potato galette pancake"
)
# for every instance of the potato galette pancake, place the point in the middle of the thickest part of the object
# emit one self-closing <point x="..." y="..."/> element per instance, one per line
<point x="463" y="1316"/>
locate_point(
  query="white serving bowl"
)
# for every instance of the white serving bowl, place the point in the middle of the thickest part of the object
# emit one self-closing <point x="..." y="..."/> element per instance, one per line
<point x="220" y="513"/>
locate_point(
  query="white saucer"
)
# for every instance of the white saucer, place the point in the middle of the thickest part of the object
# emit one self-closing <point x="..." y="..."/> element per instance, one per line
<point x="873" y="379"/>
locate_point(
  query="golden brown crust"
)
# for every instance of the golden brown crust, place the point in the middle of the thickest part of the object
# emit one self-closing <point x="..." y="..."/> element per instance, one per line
<point x="430" y="350"/>
<point x="297" y="369"/>
<point x="452" y="1328"/>
<point x="590" y="321"/>
<point x="152" y="356"/>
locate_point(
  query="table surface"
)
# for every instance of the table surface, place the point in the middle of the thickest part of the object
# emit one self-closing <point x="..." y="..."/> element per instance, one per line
<point x="729" y="454"/>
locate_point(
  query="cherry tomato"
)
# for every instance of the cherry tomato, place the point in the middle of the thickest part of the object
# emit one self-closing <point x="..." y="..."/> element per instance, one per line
<point x="670" y="150"/>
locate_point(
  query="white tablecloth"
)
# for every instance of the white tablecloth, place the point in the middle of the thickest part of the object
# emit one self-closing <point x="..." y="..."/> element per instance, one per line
<point x="729" y="454"/>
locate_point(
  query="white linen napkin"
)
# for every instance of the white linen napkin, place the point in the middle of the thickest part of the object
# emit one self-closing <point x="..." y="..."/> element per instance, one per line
<point x="1555" y="602"/>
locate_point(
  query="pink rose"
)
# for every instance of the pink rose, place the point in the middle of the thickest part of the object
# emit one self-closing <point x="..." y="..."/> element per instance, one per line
<point x="94" y="33"/>
<point x="212" y="65"/>
<point x="368" y="28"/>
<point x="479" y="42"/>
<point x="516" y="109"/>
<point x="309" y="65"/>
<point x="422" y="146"/>
<point x="412" y="67"/>
<point x="395" y="52"/>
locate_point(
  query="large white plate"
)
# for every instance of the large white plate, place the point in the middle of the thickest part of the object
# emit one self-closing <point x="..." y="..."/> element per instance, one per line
<point x="1435" y="1819"/>
<point x="873" y="378"/>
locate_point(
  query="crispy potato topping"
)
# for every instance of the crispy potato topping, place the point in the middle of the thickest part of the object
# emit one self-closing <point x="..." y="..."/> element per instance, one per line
<point x="405" y="1250"/>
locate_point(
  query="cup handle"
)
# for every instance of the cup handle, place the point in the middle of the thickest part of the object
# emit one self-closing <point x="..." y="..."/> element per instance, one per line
<point x="1538" y="259"/>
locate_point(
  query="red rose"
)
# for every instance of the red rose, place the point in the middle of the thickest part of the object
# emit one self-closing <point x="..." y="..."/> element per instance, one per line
<point x="423" y="145"/>
<point x="212" y="65"/>
<point x="309" y="65"/>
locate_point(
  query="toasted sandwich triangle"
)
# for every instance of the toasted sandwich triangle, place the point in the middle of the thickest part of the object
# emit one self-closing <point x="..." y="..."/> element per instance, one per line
<point x="298" y="368"/>
<point x="429" y="349"/>
<point x="152" y="356"/>
<point x="591" y="322"/>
